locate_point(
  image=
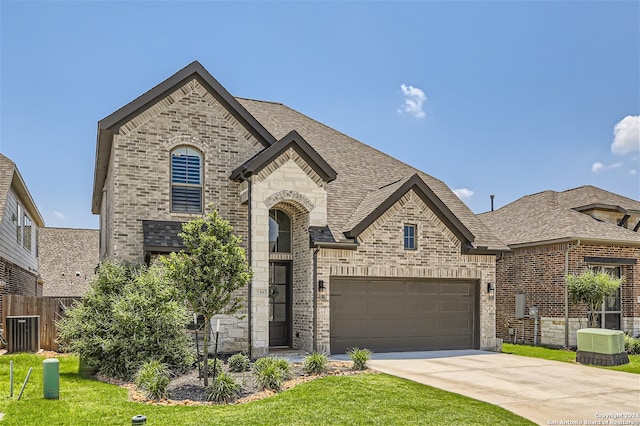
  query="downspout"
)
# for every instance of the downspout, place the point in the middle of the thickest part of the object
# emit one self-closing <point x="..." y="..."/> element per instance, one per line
<point x="250" y="289"/>
<point x="315" y="299"/>
<point x="566" y="292"/>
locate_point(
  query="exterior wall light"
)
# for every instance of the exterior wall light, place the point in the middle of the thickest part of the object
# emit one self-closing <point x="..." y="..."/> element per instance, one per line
<point x="491" y="289"/>
<point x="320" y="285"/>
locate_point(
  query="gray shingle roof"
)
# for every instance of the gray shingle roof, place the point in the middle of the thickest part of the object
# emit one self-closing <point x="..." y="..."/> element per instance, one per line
<point x="161" y="236"/>
<point x="361" y="172"/>
<point x="549" y="216"/>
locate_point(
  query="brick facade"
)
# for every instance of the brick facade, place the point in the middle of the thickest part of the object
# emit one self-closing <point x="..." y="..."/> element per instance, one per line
<point x="137" y="187"/>
<point x="539" y="273"/>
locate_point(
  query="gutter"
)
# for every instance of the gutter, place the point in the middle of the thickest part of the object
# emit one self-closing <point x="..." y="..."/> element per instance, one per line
<point x="315" y="299"/>
<point x="566" y="292"/>
<point x="250" y="289"/>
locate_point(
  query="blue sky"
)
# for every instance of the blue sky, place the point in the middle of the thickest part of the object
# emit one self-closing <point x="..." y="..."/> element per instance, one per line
<point x="504" y="98"/>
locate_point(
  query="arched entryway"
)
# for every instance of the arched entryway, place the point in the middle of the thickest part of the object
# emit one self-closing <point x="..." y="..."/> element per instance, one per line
<point x="290" y="289"/>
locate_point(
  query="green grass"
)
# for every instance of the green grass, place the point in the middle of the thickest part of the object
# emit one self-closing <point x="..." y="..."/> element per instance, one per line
<point x="565" y="356"/>
<point x="350" y="400"/>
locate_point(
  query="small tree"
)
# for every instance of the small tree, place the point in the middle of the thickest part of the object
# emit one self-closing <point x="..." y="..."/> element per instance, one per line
<point x="210" y="271"/>
<point x="591" y="289"/>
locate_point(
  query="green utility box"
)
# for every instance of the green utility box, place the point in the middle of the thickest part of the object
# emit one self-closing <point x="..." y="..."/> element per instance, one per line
<point x="51" y="378"/>
<point x="600" y="340"/>
<point x="600" y="346"/>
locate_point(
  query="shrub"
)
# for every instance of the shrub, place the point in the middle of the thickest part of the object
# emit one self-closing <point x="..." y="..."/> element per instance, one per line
<point x="239" y="363"/>
<point x="153" y="378"/>
<point x="128" y="316"/>
<point x="223" y="388"/>
<point x="270" y="377"/>
<point x="272" y="372"/>
<point x="632" y="345"/>
<point x="316" y="363"/>
<point x="213" y="364"/>
<point x="359" y="357"/>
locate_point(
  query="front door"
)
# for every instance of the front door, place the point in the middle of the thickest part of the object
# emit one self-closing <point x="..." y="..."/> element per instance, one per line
<point x="280" y="303"/>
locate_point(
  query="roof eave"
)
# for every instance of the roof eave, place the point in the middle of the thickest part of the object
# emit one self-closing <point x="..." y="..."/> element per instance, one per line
<point x="23" y="192"/>
<point x="292" y="140"/>
<point x="583" y="240"/>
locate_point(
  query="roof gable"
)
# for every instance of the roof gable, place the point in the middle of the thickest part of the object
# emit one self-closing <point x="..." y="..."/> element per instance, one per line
<point x="110" y="125"/>
<point x="297" y="143"/>
<point x="10" y="177"/>
<point x="377" y="202"/>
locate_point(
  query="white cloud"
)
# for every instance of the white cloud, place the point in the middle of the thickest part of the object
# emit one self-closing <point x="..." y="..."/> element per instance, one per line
<point x="463" y="193"/>
<point x="626" y="135"/>
<point x="59" y="215"/>
<point x="598" y="166"/>
<point x="633" y="172"/>
<point x="413" y="100"/>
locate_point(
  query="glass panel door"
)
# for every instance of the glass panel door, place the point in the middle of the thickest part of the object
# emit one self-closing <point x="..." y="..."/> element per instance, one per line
<point x="280" y="304"/>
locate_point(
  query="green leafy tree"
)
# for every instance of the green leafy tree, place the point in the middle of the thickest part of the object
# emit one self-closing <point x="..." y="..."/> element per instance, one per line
<point x="128" y="316"/>
<point x="592" y="288"/>
<point x="210" y="271"/>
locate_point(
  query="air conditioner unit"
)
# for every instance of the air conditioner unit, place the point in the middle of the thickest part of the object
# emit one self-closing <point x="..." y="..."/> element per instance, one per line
<point x="23" y="333"/>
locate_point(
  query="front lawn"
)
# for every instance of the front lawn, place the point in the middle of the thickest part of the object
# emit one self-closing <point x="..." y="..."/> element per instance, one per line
<point x="360" y="399"/>
<point x="565" y="356"/>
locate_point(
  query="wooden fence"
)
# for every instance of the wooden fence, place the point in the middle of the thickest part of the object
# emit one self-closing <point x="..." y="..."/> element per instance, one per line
<point x="50" y="310"/>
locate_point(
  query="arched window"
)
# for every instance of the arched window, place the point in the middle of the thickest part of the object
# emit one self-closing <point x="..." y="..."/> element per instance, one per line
<point x="186" y="180"/>
<point x="279" y="231"/>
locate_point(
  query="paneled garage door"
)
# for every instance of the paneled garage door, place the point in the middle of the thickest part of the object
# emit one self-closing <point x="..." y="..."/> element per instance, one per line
<point x="387" y="315"/>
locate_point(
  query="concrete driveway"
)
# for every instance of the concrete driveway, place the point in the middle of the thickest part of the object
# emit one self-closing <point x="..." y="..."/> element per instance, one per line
<point x="546" y="392"/>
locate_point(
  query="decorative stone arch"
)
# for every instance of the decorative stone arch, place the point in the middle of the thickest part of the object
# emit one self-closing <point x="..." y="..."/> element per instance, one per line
<point x="290" y="197"/>
<point x="177" y="141"/>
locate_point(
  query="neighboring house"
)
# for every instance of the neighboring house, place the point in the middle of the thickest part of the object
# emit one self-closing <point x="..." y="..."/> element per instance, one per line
<point x="348" y="246"/>
<point x="552" y="234"/>
<point x="20" y="222"/>
<point x="68" y="260"/>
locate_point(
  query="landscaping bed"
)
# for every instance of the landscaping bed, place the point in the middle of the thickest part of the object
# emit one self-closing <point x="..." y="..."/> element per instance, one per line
<point x="188" y="388"/>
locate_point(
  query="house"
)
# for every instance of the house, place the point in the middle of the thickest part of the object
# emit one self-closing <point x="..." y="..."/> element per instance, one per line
<point x="348" y="246"/>
<point x="68" y="260"/>
<point x="20" y="222"/>
<point x="553" y="234"/>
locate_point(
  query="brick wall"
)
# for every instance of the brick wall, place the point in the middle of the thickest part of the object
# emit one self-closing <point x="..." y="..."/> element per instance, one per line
<point x="381" y="254"/>
<point x="68" y="259"/>
<point x="539" y="273"/>
<point x="140" y="167"/>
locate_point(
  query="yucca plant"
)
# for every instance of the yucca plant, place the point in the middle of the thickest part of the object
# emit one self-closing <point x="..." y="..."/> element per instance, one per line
<point x="315" y="363"/>
<point x="272" y="372"/>
<point x="359" y="357"/>
<point x="153" y="378"/>
<point x="224" y="388"/>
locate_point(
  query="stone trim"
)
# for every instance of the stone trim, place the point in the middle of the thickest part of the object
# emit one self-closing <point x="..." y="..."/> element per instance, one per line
<point x="408" y="272"/>
<point x="289" y="154"/>
<point x="289" y="196"/>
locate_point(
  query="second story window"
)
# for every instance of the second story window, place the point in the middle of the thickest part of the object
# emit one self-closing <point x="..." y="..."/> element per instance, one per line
<point x="186" y="180"/>
<point x="409" y="237"/>
<point x="27" y="233"/>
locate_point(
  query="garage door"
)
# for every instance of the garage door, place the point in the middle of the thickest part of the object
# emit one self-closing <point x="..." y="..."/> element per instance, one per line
<point x="402" y="315"/>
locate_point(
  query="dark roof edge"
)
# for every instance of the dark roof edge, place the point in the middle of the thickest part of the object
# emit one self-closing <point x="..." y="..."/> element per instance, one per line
<point x="294" y="140"/>
<point x="601" y="206"/>
<point x="194" y="69"/>
<point x="336" y="245"/>
<point x="429" y="197"/>
<point x="109" y="125"/>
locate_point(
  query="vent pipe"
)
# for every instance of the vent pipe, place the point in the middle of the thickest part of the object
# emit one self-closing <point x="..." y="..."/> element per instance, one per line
<point x="492" y="197"/>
